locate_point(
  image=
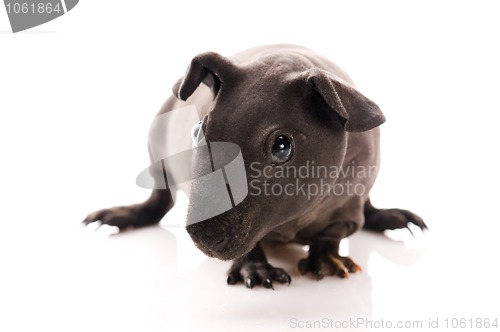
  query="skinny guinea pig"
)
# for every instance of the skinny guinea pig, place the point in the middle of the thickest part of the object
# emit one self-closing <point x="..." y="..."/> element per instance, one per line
<point x="285" y="107"/>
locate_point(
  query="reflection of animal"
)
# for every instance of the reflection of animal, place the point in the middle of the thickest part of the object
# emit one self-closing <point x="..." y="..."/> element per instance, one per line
<point x="285" y="107"/>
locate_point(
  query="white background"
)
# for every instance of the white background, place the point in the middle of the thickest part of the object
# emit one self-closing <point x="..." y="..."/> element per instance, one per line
<point x="76" y="98"/>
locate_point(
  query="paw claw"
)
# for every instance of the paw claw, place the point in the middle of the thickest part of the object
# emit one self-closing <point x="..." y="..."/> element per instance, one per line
<point x="278" y="274"/>
<point x="344" y="274"/>
<point x="249" y="283"/>
<point x="357" y="268"/>
<point x="231" y="280"/>
<point x="268" y="284"/>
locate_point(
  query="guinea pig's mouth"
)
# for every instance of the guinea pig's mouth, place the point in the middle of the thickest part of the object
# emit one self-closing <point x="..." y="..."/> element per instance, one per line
<point x="222" y="237"/>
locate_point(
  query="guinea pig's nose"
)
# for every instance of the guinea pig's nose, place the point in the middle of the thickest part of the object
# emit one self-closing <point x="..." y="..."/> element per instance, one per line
<point x="209" y="237"/>
<point x="220" y="243"/>
<point x="215" y="243"/>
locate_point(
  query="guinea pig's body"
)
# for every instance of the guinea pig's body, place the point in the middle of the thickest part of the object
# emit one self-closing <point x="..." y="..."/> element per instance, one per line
<point x="303" y="128"/>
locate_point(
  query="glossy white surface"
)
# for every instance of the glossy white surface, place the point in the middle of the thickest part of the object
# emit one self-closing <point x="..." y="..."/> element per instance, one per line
<point x="77" y="96"/>
<point x="154" y="279"/>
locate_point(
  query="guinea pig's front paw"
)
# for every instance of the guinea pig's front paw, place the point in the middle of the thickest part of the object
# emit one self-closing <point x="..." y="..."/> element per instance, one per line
<point x="257" y="273"/>
<point x="322" y="264"/>
<point x="120" y="216"/>
<point x="124" y="216"/>
<point x="389" y="219"/>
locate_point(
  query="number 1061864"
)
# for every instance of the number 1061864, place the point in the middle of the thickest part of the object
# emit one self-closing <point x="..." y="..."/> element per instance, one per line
<point x="33" y="8"/>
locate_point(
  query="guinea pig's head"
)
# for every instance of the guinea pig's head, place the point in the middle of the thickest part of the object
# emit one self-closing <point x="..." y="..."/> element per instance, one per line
<point x="286" y="115"/>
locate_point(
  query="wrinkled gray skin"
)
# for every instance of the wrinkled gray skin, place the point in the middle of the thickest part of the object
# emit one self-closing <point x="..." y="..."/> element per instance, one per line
<point x="251" y="99"/>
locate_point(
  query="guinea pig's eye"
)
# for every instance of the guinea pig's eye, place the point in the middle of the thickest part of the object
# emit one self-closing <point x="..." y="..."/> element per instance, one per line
<point x="282" y="149"/>
<point x="195" y="132"/>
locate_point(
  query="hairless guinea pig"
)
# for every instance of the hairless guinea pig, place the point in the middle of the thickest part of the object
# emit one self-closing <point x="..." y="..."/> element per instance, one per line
<point x="308" y="143"/>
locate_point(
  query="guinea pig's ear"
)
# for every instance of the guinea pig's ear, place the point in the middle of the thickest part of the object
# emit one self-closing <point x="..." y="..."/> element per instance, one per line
<point x="210" y="68"/>
<point x="358" y="112"/>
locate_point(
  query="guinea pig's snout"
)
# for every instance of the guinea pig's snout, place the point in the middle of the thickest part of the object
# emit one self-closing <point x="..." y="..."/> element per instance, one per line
<point x="208" y="238"/>
<point x="225" y="236"/>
